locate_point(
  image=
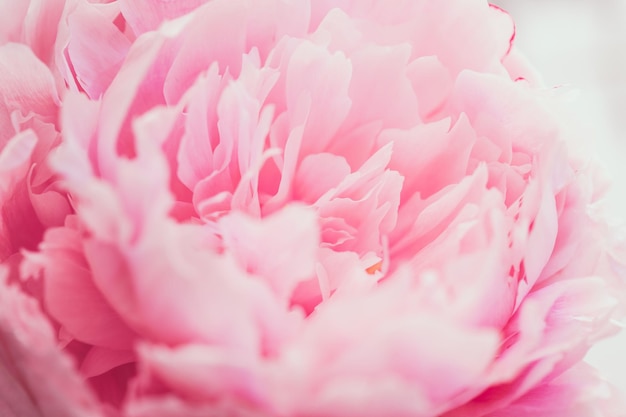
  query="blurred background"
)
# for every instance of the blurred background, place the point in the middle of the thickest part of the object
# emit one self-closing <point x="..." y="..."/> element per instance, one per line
<point x="582" y="44"/>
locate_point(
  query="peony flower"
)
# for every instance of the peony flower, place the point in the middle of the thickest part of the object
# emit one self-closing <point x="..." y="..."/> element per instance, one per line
<point x="292" y="208"/>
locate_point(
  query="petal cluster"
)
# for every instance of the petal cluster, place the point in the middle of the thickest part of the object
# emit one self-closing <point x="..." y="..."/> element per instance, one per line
<point x="292" y="208"/>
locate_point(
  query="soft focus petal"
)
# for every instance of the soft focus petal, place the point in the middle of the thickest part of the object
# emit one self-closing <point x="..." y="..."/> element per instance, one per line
<point x="71" y="296"/>
<point x="284" y="259"/>
<point x="37" y="379"/>
<point x="577" y="393"/>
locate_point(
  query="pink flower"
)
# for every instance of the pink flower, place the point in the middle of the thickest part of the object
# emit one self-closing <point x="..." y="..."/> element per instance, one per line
<point x="292" y="208"/>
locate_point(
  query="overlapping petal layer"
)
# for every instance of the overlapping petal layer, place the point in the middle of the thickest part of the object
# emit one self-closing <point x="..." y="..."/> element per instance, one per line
<point x="292" y="208"/>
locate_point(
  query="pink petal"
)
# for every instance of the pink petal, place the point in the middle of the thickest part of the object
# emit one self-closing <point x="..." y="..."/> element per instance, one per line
<point x="432" y="84"/>
<point x="420" y="151"/>
<point x="195" y="155"/>
<point x="447" y="31"/>
<point x="79" y="132"/>
<point x="199" y="372"/>
<point x="20" y="227"/>
<point x="11" y="21"/>
<point x="100" y="360"/>
<point x="96" y="49"/>
<point x="520" y="69"/>
<point x="372" y="337"/>
<point x="145" y="15"/>
<point x="33" y="23"/>
<point x="38" y="378"/>
<point x="26" y="85"/>
<point x="506" y="113"/>
<point x="366" y="202"/>
<point x="579" y="392"/>
<point x="393" y="102"/>
<point x="171" y="406"/>
<point x="72" y="298"/>
<point x="486" y="297"/>
<point x="551" y="331"/>
<point x="413" y="233"/>
<point x="137" y="282"/>
<point x="539" y="212"/>
<point x="15" y="159"/>
<point x="132" y="93"/>
<point x="317" y="174"/>
<point x="282" y="260"/>
<point x="244" y="126"/>
<point x="50" y="204"/>
<point x="327" y="96"/>
<point x="309" y="129"/>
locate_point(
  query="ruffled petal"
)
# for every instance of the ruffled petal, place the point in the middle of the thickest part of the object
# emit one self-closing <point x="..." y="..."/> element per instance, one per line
<point x="578" y="392"/>
<point x="71" y="296"/>
<point x="282" y="260"/>
<point x="26" y="86"/>
<point x="95" y="50"/>
<point x="37" y="379"/>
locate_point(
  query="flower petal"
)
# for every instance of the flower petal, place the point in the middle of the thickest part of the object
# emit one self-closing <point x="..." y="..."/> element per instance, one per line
<point x="96" y="49"/>
<point x="40" y="380"/>
<point x="282" y="260"/>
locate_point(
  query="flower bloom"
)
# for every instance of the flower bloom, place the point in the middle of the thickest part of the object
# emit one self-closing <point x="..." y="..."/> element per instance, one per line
<point x="291" y="208"/>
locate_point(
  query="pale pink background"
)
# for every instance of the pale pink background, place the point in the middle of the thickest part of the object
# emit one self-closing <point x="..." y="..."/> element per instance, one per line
<point x="583" y="43"/>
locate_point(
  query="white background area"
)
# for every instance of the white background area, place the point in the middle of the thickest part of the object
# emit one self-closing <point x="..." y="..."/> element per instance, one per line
<point x="582" y="44"/>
